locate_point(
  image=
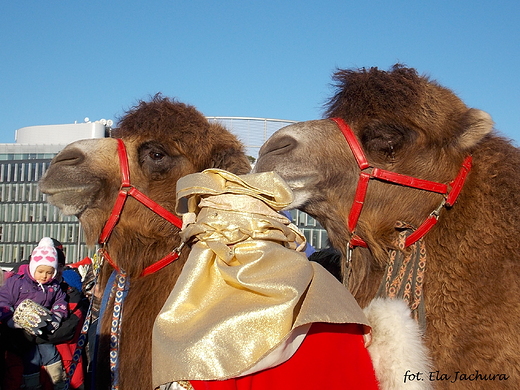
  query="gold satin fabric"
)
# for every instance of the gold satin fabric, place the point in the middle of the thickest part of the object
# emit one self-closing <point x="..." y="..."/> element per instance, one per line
<point x="245" y="285"/>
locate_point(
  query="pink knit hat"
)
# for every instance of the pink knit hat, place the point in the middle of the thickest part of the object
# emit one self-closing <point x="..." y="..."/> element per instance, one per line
<point x="44" y="254"/>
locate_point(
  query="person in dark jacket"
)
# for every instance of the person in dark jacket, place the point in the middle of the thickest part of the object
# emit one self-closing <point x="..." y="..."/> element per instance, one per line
<point x="37" y="286"/>
<point x="67" y="335"/>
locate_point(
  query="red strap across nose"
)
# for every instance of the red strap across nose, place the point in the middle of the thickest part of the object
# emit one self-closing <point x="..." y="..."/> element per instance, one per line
<point x="395" y="178"/>
<point x="123" y="163"/>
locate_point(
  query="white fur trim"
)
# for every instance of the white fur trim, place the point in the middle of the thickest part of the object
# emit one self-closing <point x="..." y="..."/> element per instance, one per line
<point x="397" y="350"/>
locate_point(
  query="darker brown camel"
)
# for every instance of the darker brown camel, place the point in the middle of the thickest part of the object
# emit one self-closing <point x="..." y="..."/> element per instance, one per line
<point x="409" y="124"/>
<point x="165" y="140"/>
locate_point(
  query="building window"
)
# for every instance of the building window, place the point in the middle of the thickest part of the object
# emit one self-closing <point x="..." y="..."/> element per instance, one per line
<point x="70" y="234"/>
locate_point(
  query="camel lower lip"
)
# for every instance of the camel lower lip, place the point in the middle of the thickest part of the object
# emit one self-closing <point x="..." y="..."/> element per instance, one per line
<point x="64" y="200"/>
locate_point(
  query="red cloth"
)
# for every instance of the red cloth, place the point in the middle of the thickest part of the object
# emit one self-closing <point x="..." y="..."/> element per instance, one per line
<point x="67" y="352"/>
<point x="86" y="261"/>
<point x="332" y="356"/>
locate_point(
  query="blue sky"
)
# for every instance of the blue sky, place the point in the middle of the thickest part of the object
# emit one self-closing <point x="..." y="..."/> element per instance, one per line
<point x="62" y="61"/>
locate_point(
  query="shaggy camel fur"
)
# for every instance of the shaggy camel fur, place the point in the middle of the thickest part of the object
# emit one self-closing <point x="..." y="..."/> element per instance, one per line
<point x="165" y="140"/>
<point x="409" y="124"/>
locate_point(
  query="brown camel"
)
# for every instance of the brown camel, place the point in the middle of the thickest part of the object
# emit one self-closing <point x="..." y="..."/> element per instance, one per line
<point x="165" y="140"/>
<point x="408" y="124"/>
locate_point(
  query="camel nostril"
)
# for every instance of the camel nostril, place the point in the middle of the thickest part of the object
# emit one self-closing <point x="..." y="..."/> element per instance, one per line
<point x="69" y="157"/>
<point x="280" y="145"/>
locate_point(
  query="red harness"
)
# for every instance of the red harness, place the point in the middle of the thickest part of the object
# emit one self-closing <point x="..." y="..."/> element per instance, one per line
<point x="450" y="192"/>
<point x="129" y="189"/>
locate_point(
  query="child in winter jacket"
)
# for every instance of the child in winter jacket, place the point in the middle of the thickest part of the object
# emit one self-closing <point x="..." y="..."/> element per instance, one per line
<point x="39" y="285"/>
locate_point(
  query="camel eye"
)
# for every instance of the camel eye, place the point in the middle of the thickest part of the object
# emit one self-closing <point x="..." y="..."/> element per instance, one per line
<point x="156" y="156"/>
<point x="155" y="160"/>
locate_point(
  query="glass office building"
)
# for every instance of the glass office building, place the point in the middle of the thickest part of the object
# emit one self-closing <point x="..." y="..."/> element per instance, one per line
<point x="26" y="217"/>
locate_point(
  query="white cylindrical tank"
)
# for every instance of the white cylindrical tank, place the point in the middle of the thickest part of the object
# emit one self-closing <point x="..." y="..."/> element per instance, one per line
<point x="59" y="134"/>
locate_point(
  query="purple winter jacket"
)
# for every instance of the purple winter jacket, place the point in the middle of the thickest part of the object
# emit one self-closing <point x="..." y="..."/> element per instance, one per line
<point x="20" y="287"/>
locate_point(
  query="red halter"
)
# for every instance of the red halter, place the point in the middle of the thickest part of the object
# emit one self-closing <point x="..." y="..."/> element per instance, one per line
<point x="450" y="192"/>
<point x="128" y="189"/>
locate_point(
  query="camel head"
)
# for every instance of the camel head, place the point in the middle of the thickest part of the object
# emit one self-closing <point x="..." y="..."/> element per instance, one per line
<point x="404" y="123"/>
<point x="165" y="140"/>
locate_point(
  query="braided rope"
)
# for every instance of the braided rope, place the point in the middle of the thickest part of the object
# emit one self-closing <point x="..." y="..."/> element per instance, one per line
<point x="404" y="275"/>
<point x="115" y="328"/>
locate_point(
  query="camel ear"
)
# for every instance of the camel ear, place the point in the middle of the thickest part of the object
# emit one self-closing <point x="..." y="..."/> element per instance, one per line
<point x="476" y="124"/>
<point x="231" y="159"/>
<point x="228" y="152"/>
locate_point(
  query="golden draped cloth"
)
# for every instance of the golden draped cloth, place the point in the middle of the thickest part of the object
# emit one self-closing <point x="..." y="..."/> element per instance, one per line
<point x="245" y="286"/>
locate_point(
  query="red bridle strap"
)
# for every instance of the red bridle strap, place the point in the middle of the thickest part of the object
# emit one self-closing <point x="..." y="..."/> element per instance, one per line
<point x="396" y="178"/>
<point x="169" y="258"/>
<point x="129" y="190"/>
<point x="359" y="200"/>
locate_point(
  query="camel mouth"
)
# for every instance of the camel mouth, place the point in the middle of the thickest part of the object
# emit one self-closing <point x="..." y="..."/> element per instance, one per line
<point x="300" y="201"/>
<point x="70" y="200"/>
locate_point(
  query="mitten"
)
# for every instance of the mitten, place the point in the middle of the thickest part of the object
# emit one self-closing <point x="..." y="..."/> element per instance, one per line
<point x="83" y="270"/>
<point x="55" y="322"/>
<point x="12" y="324"/>
<point x="31" y="316"/>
